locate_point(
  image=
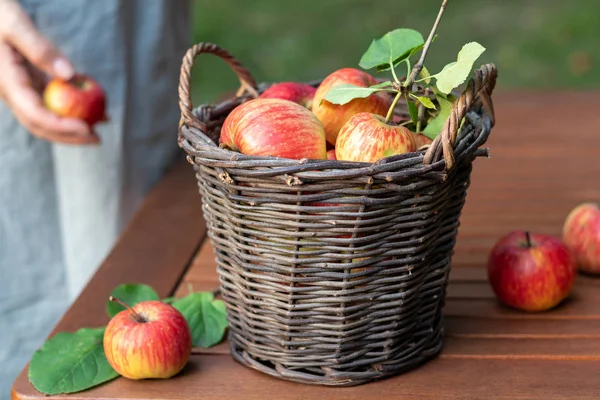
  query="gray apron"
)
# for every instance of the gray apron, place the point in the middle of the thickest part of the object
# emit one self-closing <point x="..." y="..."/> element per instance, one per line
<point x="63" y="207"/>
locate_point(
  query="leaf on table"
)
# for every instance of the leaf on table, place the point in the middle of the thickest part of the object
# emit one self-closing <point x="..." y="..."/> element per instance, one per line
<point x="130" y="294"/>
<point x="71" y="362"/>
<point x="435" y="125"/>
<point x="206" y="317"/>
<point x="391" y="48"/>
<point x="346" y="92"/>
<point x="455" y="73"/>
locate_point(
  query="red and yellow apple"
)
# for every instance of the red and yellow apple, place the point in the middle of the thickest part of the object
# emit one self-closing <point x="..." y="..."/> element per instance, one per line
<point x="531" y="272"/>
<point x="81" y="98"/>
<point x="581" y="234"/>
<point x="334" y="116"/>
<point x="149" y="340"/>
<point x="421" y="140"/>
<point x="274" y="127"/>
<point x="300" y="93"/>
<point x="331" y="154"/>
<point x="367" y="137"/>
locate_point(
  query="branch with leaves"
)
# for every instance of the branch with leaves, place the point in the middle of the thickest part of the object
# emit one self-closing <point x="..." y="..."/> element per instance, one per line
<point x="428" y="99"/>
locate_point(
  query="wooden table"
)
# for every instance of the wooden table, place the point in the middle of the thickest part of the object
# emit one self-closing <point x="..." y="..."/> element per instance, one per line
<point x="544" y="162"/>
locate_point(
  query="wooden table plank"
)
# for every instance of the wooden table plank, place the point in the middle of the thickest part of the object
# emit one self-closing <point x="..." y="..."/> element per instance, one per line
<point x="218" y="377"/>
<point x="538" y="171"/>
<point x="155" y="249"/>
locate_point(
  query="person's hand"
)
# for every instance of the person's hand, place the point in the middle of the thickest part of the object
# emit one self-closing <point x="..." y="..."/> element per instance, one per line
<point x="24" y="56"/>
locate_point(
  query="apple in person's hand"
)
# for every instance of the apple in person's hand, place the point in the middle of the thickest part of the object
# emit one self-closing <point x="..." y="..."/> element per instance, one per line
<point x="334" y="116"/>
<point x="274" y="127"/>
<point x="149" y="340"/>
<point x="531" y="272"/>
<point x="300" y="93"/>
<point x="366" y="137"/>
<point x="581" y="234"/>
<point x="80" y="97"/>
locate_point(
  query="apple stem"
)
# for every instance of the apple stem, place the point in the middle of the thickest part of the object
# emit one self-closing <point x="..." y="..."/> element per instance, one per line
<point x="419" y="65"/>
<point x="528" y="239"/>
<point x="136" y="316"/>
<point x="391" y="110"/>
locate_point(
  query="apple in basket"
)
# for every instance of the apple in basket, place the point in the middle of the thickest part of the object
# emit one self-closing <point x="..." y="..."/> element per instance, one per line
<point x="334" y="116"/>
<point x="531" y="272"/>
<point x="274" y="127"/>
<point x="149" y="340"/>
<point x="366" y="137"/>
<point x="581" y="234"/>
<point x="81" y="98"/>
<point x="300" y="93"/>
<point x="421" y="140"/>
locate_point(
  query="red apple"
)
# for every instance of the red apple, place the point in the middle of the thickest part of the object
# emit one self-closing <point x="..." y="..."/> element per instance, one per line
<point x="531" y="272"/>
<point x="421" y="140"/>
<point x="274" y="127"/>
<point x="150" y="340"/>
<point x="367" y="137"/>
<point x="81" y="98"/>
<point x="331" y="154"/>
<point x="581" y="234"/>
<point x="300" y="93"/>
<point x="334" y="116"/>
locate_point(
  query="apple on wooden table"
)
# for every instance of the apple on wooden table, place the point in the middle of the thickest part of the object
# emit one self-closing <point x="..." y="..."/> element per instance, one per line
<point x="80" y="97"/>
<point x="149" y="340"/>
<point x="581" y="234"/>
<point x="531" y="272"/>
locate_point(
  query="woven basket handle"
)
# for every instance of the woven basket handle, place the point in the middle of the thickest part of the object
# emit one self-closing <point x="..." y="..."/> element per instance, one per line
<point x="480" y="86"/>
<point x="247" y="82"/>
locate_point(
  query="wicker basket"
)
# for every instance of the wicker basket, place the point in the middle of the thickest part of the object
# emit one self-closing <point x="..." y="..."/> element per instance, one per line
<point x="333" y="272"/>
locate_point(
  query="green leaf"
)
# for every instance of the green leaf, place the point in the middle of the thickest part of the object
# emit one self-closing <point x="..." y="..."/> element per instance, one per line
<point x="71" y="362"/>
<point x="386" y="84"/>
<point x="346" y="92"/>
<point x="425" y="75"/>
<point x="426" y="101"/>
<point x="455" y="73"/>
<point x="412" y="110"/>
<point x="130" y="294"/>
<point x="435" y="125"/>
<point x="169" y="300"/>
<point x="206" y="317"/>
<point x="392" y="47"/>
<point x="412" y="52"/>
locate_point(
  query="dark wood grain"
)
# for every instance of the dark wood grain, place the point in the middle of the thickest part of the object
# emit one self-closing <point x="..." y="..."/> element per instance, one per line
<point x="543" y="163"/>
<point x="218" y="377"/>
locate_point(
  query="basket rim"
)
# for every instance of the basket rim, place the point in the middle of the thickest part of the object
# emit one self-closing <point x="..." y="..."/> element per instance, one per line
<point x="474" y="105"/>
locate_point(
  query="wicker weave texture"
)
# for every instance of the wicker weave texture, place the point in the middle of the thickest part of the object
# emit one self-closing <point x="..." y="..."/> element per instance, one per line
<point x="334" y="272"/>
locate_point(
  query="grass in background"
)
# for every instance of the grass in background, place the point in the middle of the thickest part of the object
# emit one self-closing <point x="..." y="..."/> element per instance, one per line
<point x="534" y="43"/>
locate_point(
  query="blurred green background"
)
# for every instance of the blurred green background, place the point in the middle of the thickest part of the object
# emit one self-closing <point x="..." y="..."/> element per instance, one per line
<point x="535" y="43"/>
